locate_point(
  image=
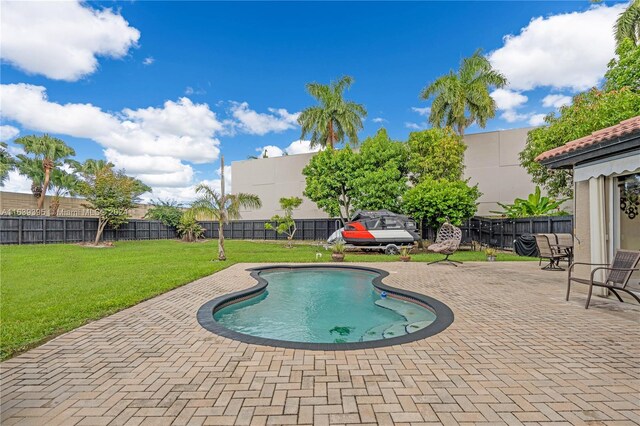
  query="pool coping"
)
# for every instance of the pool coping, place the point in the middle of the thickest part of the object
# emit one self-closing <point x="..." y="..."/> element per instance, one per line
<point x="444" y="314"/>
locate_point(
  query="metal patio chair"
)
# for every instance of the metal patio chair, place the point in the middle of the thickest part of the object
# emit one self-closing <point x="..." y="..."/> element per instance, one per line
<point x="447" y="243"/>
<point x="546" y="251"/>
<point x="624" y="264"/>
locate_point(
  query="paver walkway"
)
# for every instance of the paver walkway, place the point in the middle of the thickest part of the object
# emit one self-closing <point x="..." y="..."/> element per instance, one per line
<point x="516" y="353"/>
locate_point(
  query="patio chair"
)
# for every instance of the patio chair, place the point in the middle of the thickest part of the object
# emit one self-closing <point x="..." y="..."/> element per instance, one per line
<point x="565" y="243"/>
<point x="447" y="243"/>
<point x="624" y="264"/>
<point x="546" y="251"/>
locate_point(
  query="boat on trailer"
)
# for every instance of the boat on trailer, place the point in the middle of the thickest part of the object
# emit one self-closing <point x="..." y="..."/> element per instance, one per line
<point x="380" y="229"/>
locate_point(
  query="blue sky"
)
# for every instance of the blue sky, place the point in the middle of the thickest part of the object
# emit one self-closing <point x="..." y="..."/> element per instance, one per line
<point x="160" y="87"/>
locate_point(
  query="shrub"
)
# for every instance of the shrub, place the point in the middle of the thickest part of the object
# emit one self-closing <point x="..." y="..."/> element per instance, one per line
<point x="189" y="229"/>
<point x="433" y="201"/>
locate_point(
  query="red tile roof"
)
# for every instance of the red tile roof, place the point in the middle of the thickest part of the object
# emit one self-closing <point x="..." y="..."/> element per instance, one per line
<point x="632" y="125"/>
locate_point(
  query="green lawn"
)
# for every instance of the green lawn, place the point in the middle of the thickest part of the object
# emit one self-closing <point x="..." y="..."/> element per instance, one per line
<point x="46" y="290"/>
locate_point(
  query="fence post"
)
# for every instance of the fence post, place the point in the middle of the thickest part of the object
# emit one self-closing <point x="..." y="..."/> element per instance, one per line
<point x="44" y="230"/>
<point x="135" y="231"/>
<point x="64" y="230"/>
<point x="19" y="231"/>
<point x="83" y="226"/>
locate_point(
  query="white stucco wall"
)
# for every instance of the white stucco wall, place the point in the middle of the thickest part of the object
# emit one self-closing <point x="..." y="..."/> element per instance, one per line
<point x="491" y="161"/>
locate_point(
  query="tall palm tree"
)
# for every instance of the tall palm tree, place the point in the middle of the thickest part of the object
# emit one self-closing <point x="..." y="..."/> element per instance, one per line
<point x="221" y="206"/>
<point x="334" y="118"/>
<point x="462" y="98"/>
<point x="51" y="152"/>
<point x="628" y="24"/>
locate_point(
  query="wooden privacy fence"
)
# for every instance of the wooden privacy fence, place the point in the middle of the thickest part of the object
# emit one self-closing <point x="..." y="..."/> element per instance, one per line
<point x="47" y="230"/>
<point x="500" y="233"/>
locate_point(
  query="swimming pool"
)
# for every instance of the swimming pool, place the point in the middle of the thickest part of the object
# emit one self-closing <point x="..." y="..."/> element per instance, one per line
<point x="324" y="307"/>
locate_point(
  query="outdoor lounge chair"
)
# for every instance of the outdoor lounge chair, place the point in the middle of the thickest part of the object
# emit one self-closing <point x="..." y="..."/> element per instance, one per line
<point x="447" y="243"/>
<point x="624" y="264"/>
<point x="546" y="251"/>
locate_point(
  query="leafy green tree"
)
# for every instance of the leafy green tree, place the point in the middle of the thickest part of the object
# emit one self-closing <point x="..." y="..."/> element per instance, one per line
<point x="535" y="205"/>
<point x="7" y="163"/>
<point x="285" y="224"/>
<point x="50" y="152"/>
<point x="462" y="98"/>
<point x="112" y="194"/>
<point x="624" y="71"/>
<point x="334" y="118"/>
<point x="329" y="179"/>
<point x="628" y="24"/>
<point x="221" y="206"/>
<point x="380" y="176"/>
<point x="168" y="212"/>
<point x="63" y="184"/>
<point x="590" y="111"/>
<point x="436" y="200"/>
<point x="435" y="153"/>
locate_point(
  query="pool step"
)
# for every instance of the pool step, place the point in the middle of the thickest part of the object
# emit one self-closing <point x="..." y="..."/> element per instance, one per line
<point x="415" y="326"/>
<point x="374" y="333"/>
<point x="411" y="312"/>
<point x="395" y="330"/>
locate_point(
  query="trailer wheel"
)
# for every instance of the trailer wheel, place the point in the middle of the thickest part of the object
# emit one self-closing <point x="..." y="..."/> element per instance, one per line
<point x="391" y="249"/>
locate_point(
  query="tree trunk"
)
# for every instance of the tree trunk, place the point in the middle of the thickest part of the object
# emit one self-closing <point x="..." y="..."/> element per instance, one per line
<point x="45" y="184"/>
<point x="101" y="225"/>
<point x="221" y="255"/>
<point x="331" y="141"/>
<point x="54" y="206"/>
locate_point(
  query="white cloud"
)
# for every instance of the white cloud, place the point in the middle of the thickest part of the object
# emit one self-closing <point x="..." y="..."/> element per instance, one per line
<point x="537" y="119"/>
<point x="415" y="126"/>
<point x="556" y="100"/>
<point x="191" y="91"/>
<point x="422" y="111"/>
<point x="151" y="169"/>
<point x="507" y="99"/>
<point x="62" y="40"/>
<point x="270" y="151"/>
<point x="255" y="123"/>
<point x="568" y="50"/>
<point x="17" y="183"/>
<point x="511" y="116"/>
<point x="295" y="147"/>
<point x="148" y="60"/>
<point x="379" y="120"/>
<point x="181" y="129"/>
<point x="301" y="147"/>
<point x="8" y="132"/>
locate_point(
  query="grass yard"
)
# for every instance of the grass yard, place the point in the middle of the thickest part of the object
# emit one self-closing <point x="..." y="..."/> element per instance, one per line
<point x="50" y="289"/>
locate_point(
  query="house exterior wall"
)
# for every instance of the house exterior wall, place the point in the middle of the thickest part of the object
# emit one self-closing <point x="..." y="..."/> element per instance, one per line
<point x="582" y="229"/>
<point x="491" y="161"/>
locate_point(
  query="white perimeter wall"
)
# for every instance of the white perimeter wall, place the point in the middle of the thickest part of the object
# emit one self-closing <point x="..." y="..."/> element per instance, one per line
<point x="491" y="161"/>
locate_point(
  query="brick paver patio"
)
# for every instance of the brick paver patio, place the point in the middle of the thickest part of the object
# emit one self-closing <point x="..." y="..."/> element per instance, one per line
<point x="516" y="353"/>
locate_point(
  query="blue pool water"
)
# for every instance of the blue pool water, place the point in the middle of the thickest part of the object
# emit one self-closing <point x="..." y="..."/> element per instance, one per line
<point x="323" y="306"/>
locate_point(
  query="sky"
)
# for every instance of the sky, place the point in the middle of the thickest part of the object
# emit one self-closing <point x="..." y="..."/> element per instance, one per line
<point x="162" y="88"/>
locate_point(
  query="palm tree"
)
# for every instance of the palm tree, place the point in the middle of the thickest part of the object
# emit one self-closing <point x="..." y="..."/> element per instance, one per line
<point x="63" y="184"/>
<point x="334" y="118"/>
<point x="628" y="24"/>
<point x="7" y="163"/>
<point x="221" y="207"/>
<point x="462" y="98"/>
<point x="51" y="152"/>
<point x="91" y="167"/>
<point x="31" y="168"/>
